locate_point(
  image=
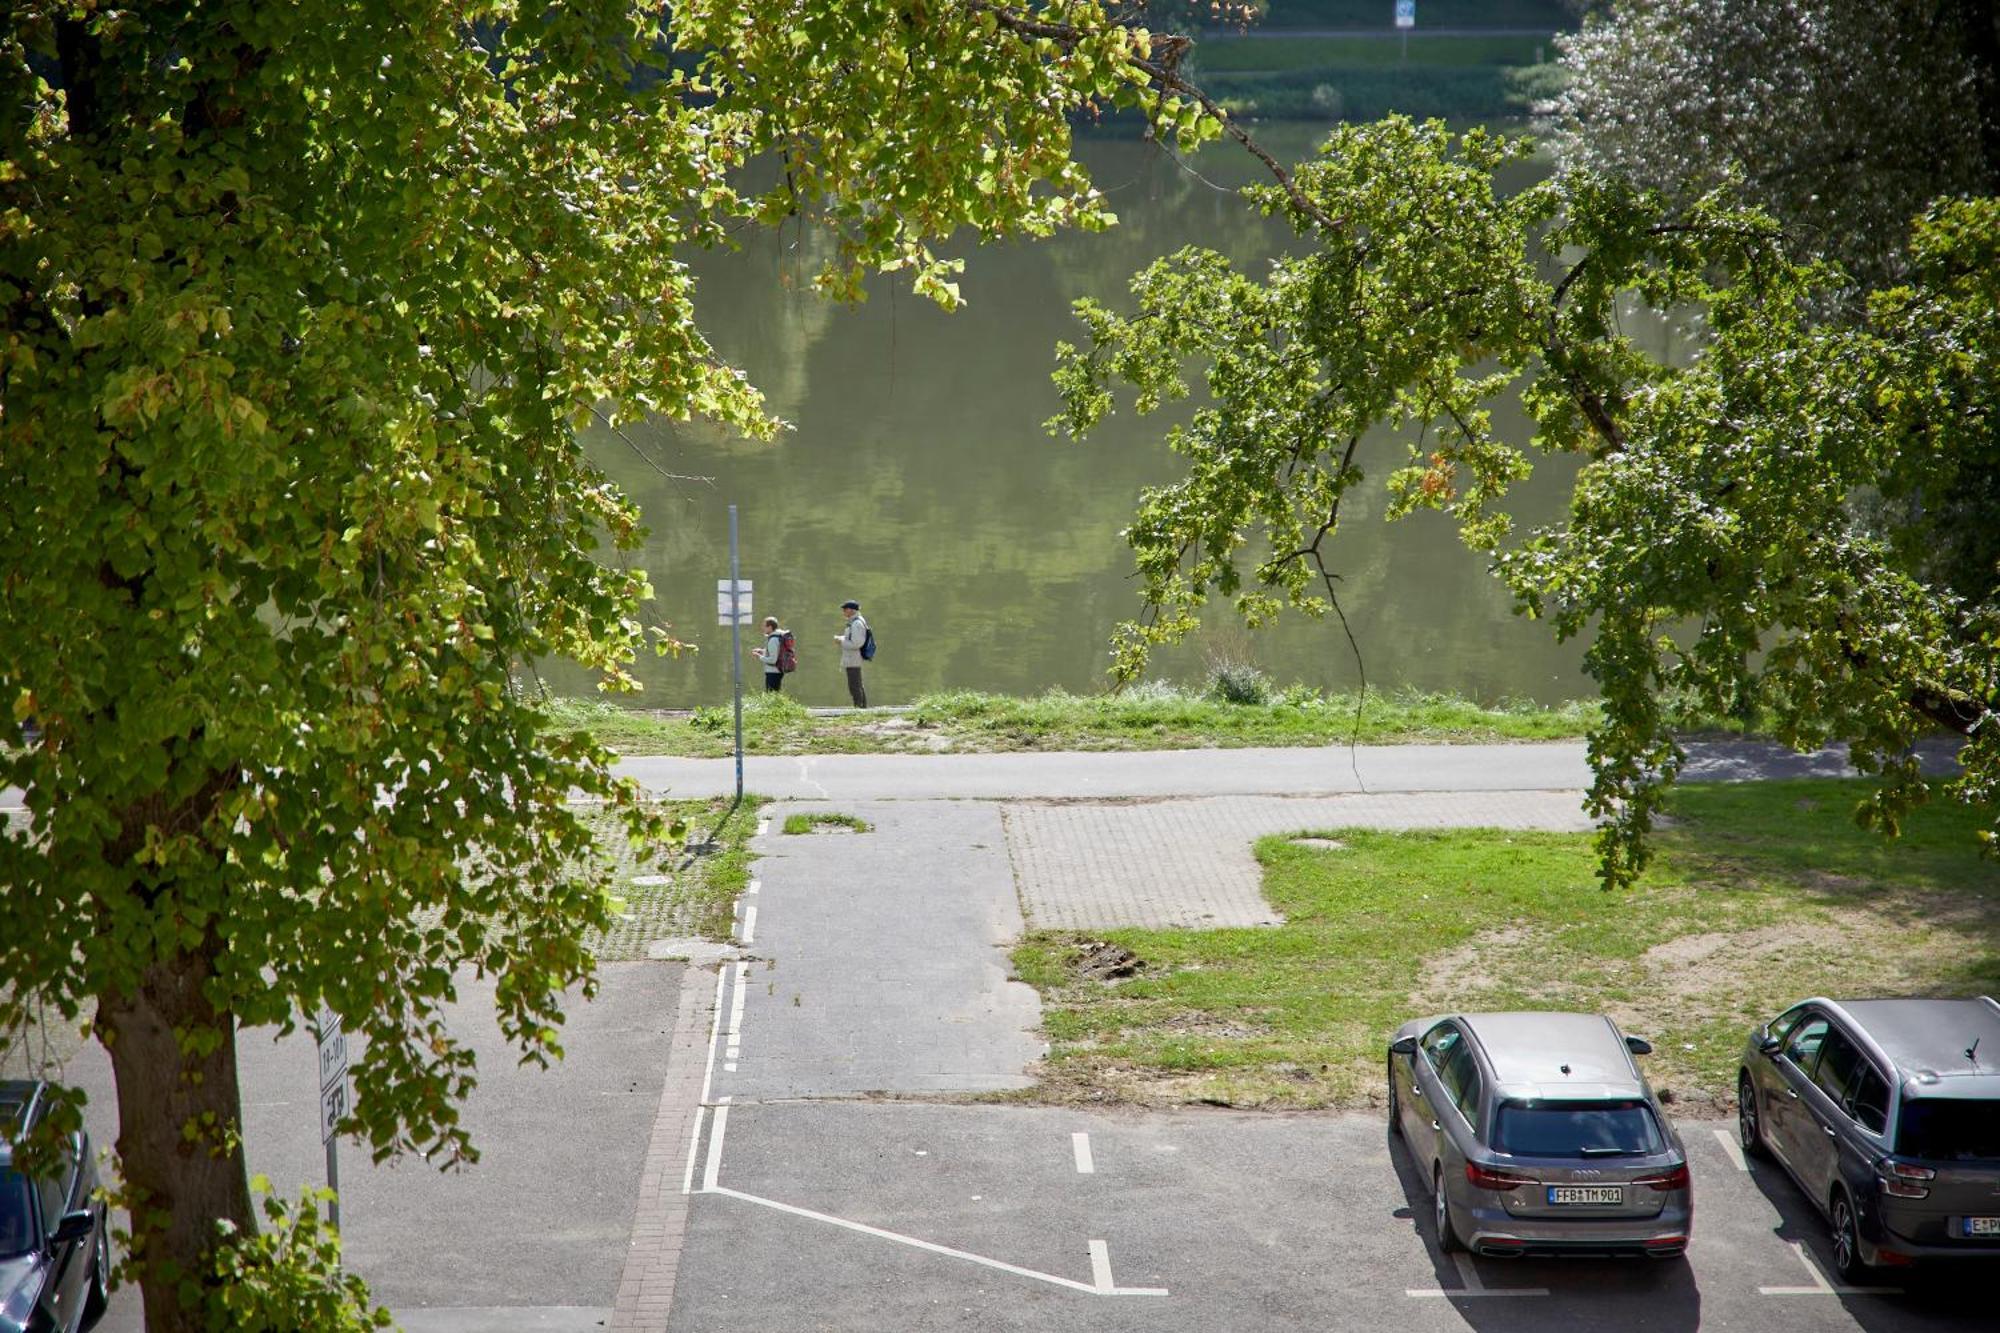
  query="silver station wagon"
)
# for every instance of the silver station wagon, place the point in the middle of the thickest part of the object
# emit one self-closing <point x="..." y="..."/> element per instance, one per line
<point x="1887" y="1114"/>
<point x="1540" y="1136"/>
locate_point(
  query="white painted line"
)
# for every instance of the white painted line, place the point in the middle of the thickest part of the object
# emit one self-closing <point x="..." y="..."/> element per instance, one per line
<point x="714" y="1031"/>
<point x="649" y="881"/>
<point x="1080" y="1145"/>
<point x="754" y="886"/>
<point x="714" y="1166"/>
<point x="694" y="1145"/>
<point x="1473" y="1288"/>
<point x="1100" y="1265"/>
<point x="934" y="1248"/>
<point x="729" y="1066"/>
<point x="1820" y="1286"/>
<point x="734" y="1032"/>
<point x="750" y="923"/>
<point x="1732" y="1149"/>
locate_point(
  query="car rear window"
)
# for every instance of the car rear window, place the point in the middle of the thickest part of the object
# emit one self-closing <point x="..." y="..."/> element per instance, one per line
<point x="1576" y="1129"/>
<point x="17" y="1226"/>
<point x="1949" y="1128"/>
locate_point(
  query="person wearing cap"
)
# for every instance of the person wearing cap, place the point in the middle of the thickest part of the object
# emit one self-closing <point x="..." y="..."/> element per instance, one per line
<point x="851" y="637"/>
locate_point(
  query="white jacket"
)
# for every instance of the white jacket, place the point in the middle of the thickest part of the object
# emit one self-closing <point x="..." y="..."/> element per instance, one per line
<point x="851" y="640"/>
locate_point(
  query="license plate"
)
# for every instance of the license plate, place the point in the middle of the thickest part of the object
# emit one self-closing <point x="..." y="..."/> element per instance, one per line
<point x="1982" y="1226"/>
<point x="1586" y="1194"/>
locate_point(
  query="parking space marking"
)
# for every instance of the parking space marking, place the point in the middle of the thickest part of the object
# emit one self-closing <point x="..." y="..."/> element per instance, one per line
<point x="763" y="827"/>
<point x="1732" y="1149"/>
<point x="750" y="923"/>
<point x="713" y="1170"/>
<point x="1101" y="1285"/>
<point x="1820" y="1286"/>
<point x="733" y="1037"/>
<point x="1473" y="1286"/>
<point x="754" y="886"/>
<point x="1080" y="1145"/>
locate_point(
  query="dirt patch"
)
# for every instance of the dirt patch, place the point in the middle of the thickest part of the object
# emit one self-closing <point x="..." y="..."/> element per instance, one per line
<point x="1475" y="966"/>
<point x="1101" y="960"/>
<point x="1321" y="844"/>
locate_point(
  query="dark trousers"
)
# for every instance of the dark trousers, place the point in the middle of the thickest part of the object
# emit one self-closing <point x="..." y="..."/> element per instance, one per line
<point x="774" y="681"/>
<point x="854" y="690"/>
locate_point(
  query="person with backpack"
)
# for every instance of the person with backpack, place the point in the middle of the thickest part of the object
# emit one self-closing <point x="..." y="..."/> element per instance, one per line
<point x="779" y="655"/>
<point x="857" y="645"/>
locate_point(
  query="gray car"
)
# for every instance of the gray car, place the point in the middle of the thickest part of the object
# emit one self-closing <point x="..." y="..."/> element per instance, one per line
<point x="1887" y="1114"/>
<point x="1539" y="1136"/>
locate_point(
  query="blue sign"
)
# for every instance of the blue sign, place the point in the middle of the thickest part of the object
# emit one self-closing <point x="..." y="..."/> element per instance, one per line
<point x="1406" y="13"/>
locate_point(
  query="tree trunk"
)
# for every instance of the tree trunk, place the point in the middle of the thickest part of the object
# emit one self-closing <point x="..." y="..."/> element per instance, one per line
<point x="180" y="1185"/>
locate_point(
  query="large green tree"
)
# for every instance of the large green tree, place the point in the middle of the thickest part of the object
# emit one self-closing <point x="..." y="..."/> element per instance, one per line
<point x="304" y="305"/>
<point x="1712" y="550"/>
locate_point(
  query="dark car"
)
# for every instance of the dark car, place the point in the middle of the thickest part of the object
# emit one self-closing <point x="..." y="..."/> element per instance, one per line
<point x="1539" y="1136"/>
<point x="55" y="1248"/>
<point x="1887" y="1114"/>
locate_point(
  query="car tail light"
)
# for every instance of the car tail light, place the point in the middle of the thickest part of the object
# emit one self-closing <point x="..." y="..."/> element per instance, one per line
<point x="1486" y="1178"/>
<point x="1905" y="1181"/>
<point x="1673" y="1179"/>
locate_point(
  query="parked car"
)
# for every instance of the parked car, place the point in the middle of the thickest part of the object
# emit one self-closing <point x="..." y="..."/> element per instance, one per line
<point x="55" y="1247"/>
<point x="1887" y="1114"/>
<point x="1540" y="1136"/>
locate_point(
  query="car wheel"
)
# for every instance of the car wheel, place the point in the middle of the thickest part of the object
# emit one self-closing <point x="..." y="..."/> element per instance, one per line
<point x="1749" y="1124"/>
<point x="98" y="1296"/>
<point x="1847" y="1262"/>
<point x="1441" y="1214"/>
<point x="1395" y="1102"/>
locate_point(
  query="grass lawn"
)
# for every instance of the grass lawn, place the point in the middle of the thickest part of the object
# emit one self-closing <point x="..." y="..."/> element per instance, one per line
<point x="813" y="821"/>
<point x="1150" y="717"/>
<point x="1761" y="894"/>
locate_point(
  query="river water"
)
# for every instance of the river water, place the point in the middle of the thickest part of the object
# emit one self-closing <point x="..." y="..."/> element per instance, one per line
<point x="987" y="553"/>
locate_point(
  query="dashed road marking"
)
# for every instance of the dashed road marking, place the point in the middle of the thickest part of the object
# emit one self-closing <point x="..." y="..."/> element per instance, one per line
<point x="753" y="886"/>
<point x="713" y="1169"/>
<point x="1820" y="1286"/>
<point x="750" y="923"/>
<point x="1080" y="1145"/>
<point x="1473" y="1286"/>
<point x="1732" y="1149"/>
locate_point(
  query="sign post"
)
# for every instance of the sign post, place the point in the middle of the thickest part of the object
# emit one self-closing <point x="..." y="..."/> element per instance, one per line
<point x="332" y="1097"/>
<point x="1406" y="19"/>
<point x="732" y="604"/>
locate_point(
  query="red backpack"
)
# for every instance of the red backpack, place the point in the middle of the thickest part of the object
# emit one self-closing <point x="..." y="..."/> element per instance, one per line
<point x="788" y="652"/>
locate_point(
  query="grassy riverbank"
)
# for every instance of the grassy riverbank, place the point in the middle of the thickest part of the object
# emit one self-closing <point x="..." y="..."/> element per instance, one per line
<point x="1151" y="717"/>
<point x="1762" y="894"/>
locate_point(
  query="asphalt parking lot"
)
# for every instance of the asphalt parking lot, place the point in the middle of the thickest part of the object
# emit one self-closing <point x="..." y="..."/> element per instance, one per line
<point x="898" y="1215"/>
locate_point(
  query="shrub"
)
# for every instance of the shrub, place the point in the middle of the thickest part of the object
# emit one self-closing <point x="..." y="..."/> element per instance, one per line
<point x="1238" y="683"/>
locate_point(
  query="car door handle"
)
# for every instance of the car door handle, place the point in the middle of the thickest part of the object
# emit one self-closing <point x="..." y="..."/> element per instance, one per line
<point x="1830" y="1132"/>
<point x="1416" y="1088"/>
<point x="1435" y="1125"/>
<point x="1792" y="1093"/>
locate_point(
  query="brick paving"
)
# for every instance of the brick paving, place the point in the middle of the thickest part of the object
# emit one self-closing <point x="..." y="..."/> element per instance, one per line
<point x="1100" y="865"/>
<point x="659" y="1223"/>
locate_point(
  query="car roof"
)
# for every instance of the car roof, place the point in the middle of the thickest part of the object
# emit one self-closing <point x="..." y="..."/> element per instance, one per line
<point x="1929" y="1038"/>
<point x="1529" y="1050"/>
<point x="17" y="1102"/>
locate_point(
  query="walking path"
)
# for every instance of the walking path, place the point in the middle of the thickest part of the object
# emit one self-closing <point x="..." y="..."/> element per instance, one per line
<point x="1296" y="771"/>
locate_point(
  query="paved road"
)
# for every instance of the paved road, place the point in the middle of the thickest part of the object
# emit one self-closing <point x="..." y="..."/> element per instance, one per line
<point x="532" y="1238"/>
<point x="1124" y="775"/>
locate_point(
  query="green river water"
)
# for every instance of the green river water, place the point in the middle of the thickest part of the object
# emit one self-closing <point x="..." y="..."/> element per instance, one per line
<point x="987" y="553"/>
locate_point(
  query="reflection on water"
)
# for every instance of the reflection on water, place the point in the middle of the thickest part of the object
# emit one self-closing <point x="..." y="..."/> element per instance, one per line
<point x="986" y="553"/>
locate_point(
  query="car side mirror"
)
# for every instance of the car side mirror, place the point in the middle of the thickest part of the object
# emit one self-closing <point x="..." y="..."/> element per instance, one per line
<point x="1403" y="1046"/>
<point x="73" y="1227"/>
<point x="1638" y="1046"/>
<point x="1768" y="1044"/>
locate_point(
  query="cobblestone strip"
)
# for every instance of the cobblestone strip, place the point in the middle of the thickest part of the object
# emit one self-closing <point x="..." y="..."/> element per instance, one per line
<point x="659" y="1225"/>
<point x="1097" y="865"/>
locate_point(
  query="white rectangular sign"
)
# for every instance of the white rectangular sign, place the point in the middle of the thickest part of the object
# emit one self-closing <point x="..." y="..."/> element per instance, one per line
<point x="1406" y="13"/>
<point x="723" y="602"/>
<point x="332" y="1048"/>
<point x="332" y="1106"/>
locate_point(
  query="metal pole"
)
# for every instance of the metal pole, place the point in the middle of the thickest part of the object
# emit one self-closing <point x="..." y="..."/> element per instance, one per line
<point x="333" y="1177"/>
<point x="736" y="646"/>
